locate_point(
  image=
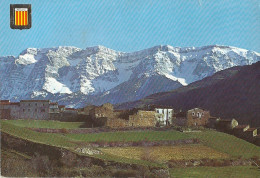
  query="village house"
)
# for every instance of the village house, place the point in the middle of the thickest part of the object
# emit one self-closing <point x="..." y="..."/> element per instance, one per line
<point x="34" y="109"/>
<point x="54" y="108"/>
<point x="226" y="125"/>
<point x="212" y="121"/>
<point x="193" y="117"/>
<point x="250" y="134"/>
<point x="180" y="119"/>
<point x="144" y="119"/>
<point x="197" y="117"/>
<point x="165" y="116"/>
<point x="257" y="140"/>
<point x="239" y="130"/>
<point x="104" y="111"/>
<point x="9" y="110"/>
<point x="138" y="119"/>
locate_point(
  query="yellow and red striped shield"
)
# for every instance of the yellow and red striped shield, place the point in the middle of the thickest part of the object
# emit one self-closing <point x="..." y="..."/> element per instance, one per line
<point x="20" y="16"/>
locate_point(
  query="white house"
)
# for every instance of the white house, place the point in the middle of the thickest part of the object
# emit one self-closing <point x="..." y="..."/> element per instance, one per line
<point x="166" y="118"/>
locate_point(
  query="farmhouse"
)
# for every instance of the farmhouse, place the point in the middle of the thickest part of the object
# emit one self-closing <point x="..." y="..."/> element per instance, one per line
<point x="226" y="125"/>
<point x="239" y="130"/>
<point x="29" y="109"/>
<point x="9" y="110"/>
<point x="191" y="118"/>
<point x="144" y="119"/>
<point x="212" y="121"/>
<point x="249" y="134"/>
<point x="34" y="109"/>
<point x="197" y="117"/>
<point x="165" y="117"/>
<point x="180" y="119"/>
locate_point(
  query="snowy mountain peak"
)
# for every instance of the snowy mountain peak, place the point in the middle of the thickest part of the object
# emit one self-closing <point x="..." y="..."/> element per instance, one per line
<point x="69" y="71"/>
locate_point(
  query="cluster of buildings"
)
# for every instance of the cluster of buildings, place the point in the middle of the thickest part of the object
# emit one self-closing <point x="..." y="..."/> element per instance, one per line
<point x="31" y="109"/>
<point x="232" y="127"/>
<point x="106" y="116"/>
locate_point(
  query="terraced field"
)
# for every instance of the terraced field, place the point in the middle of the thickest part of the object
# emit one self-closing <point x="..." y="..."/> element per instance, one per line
<point x="166" y="153"/>
<point x="217" y="172"/>
<point x="45" y="124"/>
<point x="213" y="145"/>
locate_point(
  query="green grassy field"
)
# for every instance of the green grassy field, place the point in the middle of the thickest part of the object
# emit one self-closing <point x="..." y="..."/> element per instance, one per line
<point x="227" y="144"/>
<point x="219" y="141"/>
<point x="45" y="138"/>
<point x="130" y="136"/>
<point x="45" y="124"/>
<point x="217" y="172"/>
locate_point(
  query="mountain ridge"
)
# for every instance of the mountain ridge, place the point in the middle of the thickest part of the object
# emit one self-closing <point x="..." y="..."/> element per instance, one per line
<point x="97" y="74"/>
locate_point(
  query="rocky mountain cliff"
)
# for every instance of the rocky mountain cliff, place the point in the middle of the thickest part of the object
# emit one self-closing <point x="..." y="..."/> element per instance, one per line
<point x="76" y="77"/>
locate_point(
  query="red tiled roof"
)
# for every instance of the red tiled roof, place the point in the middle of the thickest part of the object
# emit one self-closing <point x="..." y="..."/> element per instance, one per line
<point x="61" y="106"/>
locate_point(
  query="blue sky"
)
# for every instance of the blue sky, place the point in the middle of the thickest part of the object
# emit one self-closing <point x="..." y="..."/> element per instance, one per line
<point x="131" y="25"/>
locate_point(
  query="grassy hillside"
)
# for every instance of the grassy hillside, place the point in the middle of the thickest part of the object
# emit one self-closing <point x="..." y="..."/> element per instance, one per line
<point x="45" y="124"/>
<point x="45" y="138"/>
<point x="221" y="142"/>
<point x="228" y="144"/>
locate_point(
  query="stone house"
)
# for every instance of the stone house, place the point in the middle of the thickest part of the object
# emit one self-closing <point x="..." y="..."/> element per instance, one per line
<point x="34" y="109"/>
<point x="9" y="110"/>
<point x="54" y="108"/>
<point x="257" y="140"/>
<point x="212" y="121"/>
<point x="226" y="125"/>
<point x="117" y="123"/>
<point x="197" y="117"/>
<point x="139" y="118"/>
<point x="180" y="119"/>
<point x="105" y="110"/>
<point x="165" y="116"/>
<point x="250" y="134"/>
<point x="239" y="130"/>
<point x="143" y="119"/>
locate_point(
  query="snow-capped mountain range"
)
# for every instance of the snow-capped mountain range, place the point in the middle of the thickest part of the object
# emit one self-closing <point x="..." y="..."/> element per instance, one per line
<point x="95" y="75"/>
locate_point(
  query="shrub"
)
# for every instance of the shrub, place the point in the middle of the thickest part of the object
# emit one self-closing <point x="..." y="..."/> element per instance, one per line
<point x="63" y="130"/>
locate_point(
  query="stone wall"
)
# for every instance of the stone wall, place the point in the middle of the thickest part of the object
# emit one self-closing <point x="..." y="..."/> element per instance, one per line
<point x="143" y="119"/>
<point x="117" y="123"/>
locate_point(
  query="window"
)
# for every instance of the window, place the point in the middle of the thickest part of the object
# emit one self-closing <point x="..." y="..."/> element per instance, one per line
<point x="35" y="110"/>
<point x="29" y="110"/>
<point x="29" y="104"/>
<point x="35" y="104"/>
<point x="23" y="110"/>
<point x="193" y="113"/>
<point x="42" y="110"/>
<point x="198" y="114"/>
<point x="202" y="114"/>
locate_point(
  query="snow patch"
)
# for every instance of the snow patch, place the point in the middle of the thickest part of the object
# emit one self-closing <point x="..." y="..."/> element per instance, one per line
<point x="53" y="86"/>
